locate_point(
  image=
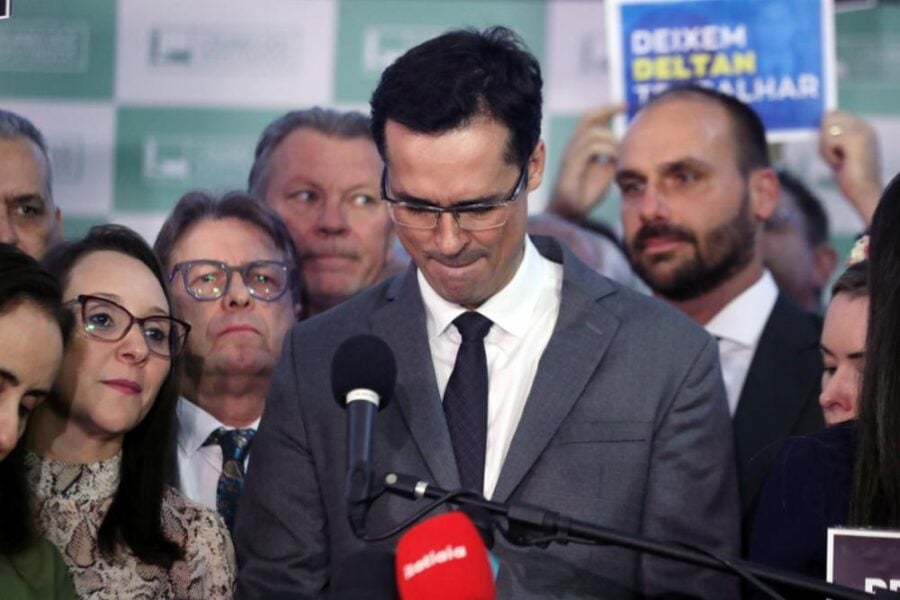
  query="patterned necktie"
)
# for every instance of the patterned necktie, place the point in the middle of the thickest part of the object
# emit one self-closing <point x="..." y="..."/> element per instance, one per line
<point x="235" y="444"/>
<point x="466" y="400"/>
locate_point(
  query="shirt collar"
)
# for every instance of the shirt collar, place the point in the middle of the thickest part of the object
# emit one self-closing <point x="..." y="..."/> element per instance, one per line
<point x="743" y="319"/>
<point x="510" y="308"/>
<point x="195" y="425"/>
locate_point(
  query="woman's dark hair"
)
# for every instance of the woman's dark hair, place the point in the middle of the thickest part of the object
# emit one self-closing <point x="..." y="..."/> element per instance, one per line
<point x="450" y="80"/>
<point x="875" y="501"/>
<point x="854" y="281"/>
<point x="23" y="279"/>
<point x="135" y="515"/>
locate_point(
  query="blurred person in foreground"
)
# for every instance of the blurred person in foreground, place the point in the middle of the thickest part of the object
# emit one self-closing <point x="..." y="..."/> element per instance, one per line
<point x="231" y="267"/>
<point x="847" y="474"/>
<point x="33" y="329"/>
<point x="586" y="398"/>
<point x="29" y="219"/>
<point x="99" y="446"/>
<point x="796" y="246"/>
<point x="319" y="170"/>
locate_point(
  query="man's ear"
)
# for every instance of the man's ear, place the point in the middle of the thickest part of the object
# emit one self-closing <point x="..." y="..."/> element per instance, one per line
<point x="764" y="190"/>
<point x="536" y="163"/>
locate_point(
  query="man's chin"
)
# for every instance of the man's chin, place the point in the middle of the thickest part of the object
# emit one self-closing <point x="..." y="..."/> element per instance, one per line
<point x="243" y="361"/>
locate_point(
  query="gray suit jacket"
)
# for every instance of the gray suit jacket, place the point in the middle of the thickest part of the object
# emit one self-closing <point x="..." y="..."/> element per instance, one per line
<point x="626" y="426"/>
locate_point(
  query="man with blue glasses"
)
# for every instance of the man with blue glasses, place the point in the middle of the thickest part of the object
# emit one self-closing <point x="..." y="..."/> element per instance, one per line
<point x="231" y="265"/>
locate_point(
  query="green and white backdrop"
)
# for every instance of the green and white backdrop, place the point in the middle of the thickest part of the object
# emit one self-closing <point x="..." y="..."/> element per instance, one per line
<point x="142" y="100"/>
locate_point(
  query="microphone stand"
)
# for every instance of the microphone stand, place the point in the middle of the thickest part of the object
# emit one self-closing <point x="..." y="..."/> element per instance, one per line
<point x="557" y="527"/>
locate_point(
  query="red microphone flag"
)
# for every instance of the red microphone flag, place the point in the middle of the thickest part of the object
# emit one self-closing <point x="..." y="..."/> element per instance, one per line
<point x="444" y="558"/>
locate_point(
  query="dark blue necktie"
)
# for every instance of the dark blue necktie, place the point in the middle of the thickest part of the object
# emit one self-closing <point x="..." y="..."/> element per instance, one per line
<point x="466" y="400"/>
<point x="235" y="444"/>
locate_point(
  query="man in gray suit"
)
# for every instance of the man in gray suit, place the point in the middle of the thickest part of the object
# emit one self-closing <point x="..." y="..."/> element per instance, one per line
<point x="580" y="396"/>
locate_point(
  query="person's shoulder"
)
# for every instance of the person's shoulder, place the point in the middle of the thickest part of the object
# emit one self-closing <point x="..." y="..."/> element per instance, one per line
<point x="196" y="522"/>
<point x="646" y="313"/>
<point x="208" y="551"/>
<point x="42" y="567"/>
<point x="351" y="314"/>
<point x="829" y="451"/>
<point x="641" y="314"/>
<point x="789" y="319"/>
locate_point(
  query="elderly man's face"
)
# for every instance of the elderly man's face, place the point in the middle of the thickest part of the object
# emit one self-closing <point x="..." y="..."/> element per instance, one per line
<point x="28" y="218"/>
<point x="325" y="188"/>
<point x="237" y="333"/>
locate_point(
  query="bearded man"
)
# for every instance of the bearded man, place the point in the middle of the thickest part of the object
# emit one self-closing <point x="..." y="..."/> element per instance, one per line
<point x="697" y="188"/>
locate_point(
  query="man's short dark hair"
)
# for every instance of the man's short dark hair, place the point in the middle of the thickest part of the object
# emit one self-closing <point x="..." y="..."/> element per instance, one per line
<point x="13" y="126"/>
<point x="749" y="133"/>
<point x="448" y="81"/>
<point x="197" y="206"/>
<point x="348" y="125"/>
<point x="815" y="219"/>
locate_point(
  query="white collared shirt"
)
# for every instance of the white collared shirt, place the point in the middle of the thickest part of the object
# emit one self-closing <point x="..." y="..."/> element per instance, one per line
<point x="524" y="315"/>
<point x="199" y="466"/>
<point x="738" y="328"/>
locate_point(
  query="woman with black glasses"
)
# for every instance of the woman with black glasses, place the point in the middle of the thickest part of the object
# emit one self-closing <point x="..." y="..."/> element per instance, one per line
<point x="98" y="448"/>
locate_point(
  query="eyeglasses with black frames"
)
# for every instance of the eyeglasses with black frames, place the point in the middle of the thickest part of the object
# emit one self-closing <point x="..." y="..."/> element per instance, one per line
<point x="107" y="321"/>
<point x="266" y="280"/>
<point x="478" y="216"/>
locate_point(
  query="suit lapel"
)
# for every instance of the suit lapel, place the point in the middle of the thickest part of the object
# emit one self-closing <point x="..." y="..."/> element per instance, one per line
<point x="401" y="323"/>
<point x="783" y="371"/>
<point x="582" y="334"/>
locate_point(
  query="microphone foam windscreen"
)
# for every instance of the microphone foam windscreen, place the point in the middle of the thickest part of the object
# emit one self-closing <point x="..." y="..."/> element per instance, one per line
<point x="444" y="558"/>
<point x="363" y="362"/>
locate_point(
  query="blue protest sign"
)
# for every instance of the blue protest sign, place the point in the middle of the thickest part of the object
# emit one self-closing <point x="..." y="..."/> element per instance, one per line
<point x="775" y="55"/>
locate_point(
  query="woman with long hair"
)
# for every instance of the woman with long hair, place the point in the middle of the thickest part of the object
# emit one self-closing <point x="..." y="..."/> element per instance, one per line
<point x="875" y="500"/>
<point x="848" y="474"/>
<point x="100" y="447"/>
<point x="33" y="329"/>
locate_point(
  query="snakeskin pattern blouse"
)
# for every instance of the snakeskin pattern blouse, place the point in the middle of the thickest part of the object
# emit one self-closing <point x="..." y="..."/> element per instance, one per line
<point x="70" y="503"/>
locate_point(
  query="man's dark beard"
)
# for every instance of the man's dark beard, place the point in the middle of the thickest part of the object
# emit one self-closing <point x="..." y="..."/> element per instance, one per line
<point x="731" y="243"/>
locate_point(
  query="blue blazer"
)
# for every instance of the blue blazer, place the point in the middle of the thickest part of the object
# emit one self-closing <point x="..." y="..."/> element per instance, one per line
<point x="807" y="492"/>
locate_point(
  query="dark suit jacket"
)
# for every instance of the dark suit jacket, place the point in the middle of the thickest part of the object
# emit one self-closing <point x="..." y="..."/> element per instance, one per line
<point x="780" y="397"/>
<point x="626" y="426"/>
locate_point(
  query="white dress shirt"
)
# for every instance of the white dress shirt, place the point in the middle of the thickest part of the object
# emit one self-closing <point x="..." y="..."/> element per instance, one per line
<point x="524" y="315"/>
<point x="199" y="466"/>
<point x="738" y="328"/>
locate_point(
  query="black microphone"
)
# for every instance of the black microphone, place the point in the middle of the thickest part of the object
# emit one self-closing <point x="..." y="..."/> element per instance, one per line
<point x="363" y="374"/>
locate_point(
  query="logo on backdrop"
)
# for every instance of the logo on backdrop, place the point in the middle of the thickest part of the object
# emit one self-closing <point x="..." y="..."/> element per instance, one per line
<point x="180" y="158"/>
<point x="5" y="9"/>
<point x="232" y="51"/>
<point x="383" y="44"/>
